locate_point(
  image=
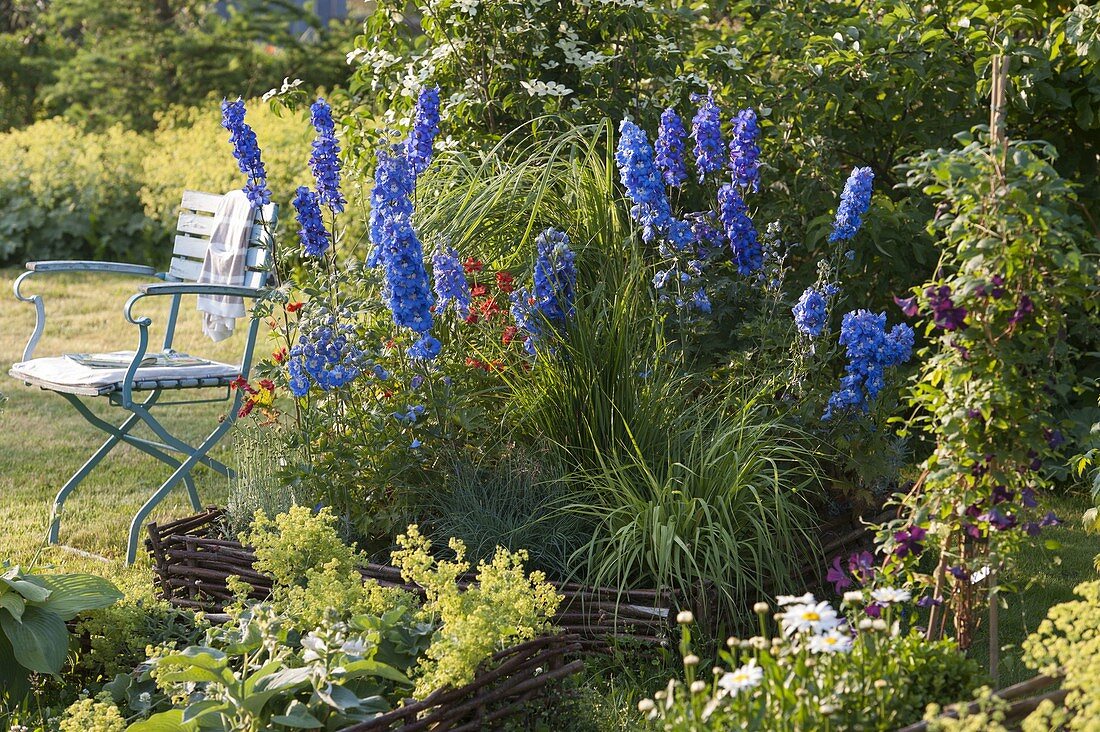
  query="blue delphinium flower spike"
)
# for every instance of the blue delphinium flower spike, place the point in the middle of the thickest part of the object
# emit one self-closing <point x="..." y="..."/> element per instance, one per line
<point x="744" y="152"/>
<point x="811" y="312"/>
<point x="324" y="161"/>
<point x="734" y="215"/>
<point x="425" y="127"/>
<point x="312" y="233"/>
<point x="870" y="350"/>
<point x="670" y="149"/>
<point x="706" y="129"/>
<point x="407" y="292"/>
<point x="643" y="183"/>
<point x="451" y="287"/>
<point x="247" y="152"/>
<point x="854" y="202"/>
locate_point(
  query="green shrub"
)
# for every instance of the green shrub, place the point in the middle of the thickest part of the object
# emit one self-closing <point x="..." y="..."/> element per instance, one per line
<point x="68" y="194"/>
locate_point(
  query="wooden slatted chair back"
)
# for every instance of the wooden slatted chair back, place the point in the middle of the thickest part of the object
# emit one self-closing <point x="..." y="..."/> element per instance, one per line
<point x="192" y="239"/>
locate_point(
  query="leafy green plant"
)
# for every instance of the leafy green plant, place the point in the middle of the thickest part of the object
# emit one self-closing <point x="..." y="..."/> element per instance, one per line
<point x="33" y="611"/>
<point x="504" y="606"/>
<point x="250" y="676"/>
<point x="1066" y="644"/>
<point x="313" y="570"/>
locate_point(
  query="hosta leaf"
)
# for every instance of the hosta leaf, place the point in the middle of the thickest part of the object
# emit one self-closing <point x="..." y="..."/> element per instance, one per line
<point x="40" y="642"/>
<point x="71" y="594"/>
<point x="14" y="603"/>
<point x="297" y="717"/>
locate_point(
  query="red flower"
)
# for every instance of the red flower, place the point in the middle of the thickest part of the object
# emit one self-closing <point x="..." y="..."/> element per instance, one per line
<point x="472" y="265"/>
<point x="472" y="318"/>
<point x="488" y="308"/>
<point x="238" y="383"/>
<point x="293" y="307"/>
<point x="479" y="291"/>
<point x="476" y="363"/>
<point x="279" y="356"/>
<point x="246" y="408"/>
<point x="505" y="282"/>
<point x="267" y="384"/>
<point x="509" y="334"/>
<point x="387" y="394"/>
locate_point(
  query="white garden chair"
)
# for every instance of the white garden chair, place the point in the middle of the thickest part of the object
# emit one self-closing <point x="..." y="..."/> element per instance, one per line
<point x="137" y="389"/>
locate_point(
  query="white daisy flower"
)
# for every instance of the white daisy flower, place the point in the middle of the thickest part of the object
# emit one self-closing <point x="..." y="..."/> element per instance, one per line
<point x="815" y="618"/>
<point x="747" y="677"/>
<point x="890" y="595"/>
<point x="834" y="641"/>
<point x="806" y="599"/>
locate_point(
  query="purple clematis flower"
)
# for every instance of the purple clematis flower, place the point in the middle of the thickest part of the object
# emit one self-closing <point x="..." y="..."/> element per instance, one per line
<point x="945" y="314"/>
<point x="862" y="566"/>
<point x="998" y="287"/>
<point x="1023" y="308"/>
<point x="838" y="576"/>
<point x="1027" y="497"/>
<point x="959" y="573"/>
<point x="1001" y="494"/>
<point x="908" y="305"/>
<point x="909" y="541"/>
<point x="1050" y="520"/>
<point x="999" y="521"/>
<point x="874" y="610"/>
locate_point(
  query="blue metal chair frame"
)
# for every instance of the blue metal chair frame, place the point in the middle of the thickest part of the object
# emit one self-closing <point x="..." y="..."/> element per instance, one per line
<point x="141" y="409"/>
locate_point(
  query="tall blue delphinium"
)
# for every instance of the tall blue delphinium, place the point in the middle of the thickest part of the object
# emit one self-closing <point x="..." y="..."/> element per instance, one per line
<point x="550" y="301"/>
<point x="407" y="292"/>
<point x="870" y="350"/>
<point x="312" y="233"/>
<point x="734" y="215"/>
<point x="670" y="149"/>
<point x="247" y="152"/>
<point x="324" y="161"/>
<point x="451" y="287"/>
<point x="810" y="312"/>
<point x="390" y="200"/>
<point x="744" y="152"/>
<point x="555" y="276"/>
<point x="643" y="182"/>
<point x="706" y="129"/>
<point x="425" y="127"/>
<point x="854" y="202"/>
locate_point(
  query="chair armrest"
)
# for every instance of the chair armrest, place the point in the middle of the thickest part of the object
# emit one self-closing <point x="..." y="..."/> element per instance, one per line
<point x="85" y="266"/>
<point x="194" y="288"/>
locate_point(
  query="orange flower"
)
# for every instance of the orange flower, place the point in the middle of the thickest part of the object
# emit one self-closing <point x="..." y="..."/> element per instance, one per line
<point x="293" y="307"/>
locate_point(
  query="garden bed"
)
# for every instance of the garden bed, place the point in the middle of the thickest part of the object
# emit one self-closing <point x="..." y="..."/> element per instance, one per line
<point x="192" y="564"/>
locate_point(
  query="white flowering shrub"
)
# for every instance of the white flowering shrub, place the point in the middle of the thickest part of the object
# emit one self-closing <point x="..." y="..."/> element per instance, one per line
<point x="503" y="63"/>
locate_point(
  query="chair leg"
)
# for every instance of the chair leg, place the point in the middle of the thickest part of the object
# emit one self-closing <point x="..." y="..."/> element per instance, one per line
<point x="117" y="434"/>
<point x="194" y="456"/>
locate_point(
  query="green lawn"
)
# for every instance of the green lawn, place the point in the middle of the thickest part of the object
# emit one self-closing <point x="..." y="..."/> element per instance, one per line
<point x="42" y="441"/>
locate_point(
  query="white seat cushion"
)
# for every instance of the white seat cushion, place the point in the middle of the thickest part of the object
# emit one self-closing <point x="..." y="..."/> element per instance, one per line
<point x="66" y="375"/>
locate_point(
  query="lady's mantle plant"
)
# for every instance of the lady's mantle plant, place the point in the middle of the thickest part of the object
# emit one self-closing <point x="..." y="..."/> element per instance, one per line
<point x="996" y="363"/>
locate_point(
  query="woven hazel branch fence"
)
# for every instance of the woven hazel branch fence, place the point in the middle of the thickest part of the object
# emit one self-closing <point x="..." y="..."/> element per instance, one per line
<point x="192" y="564"/>
<point x="1024" y="698"/>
